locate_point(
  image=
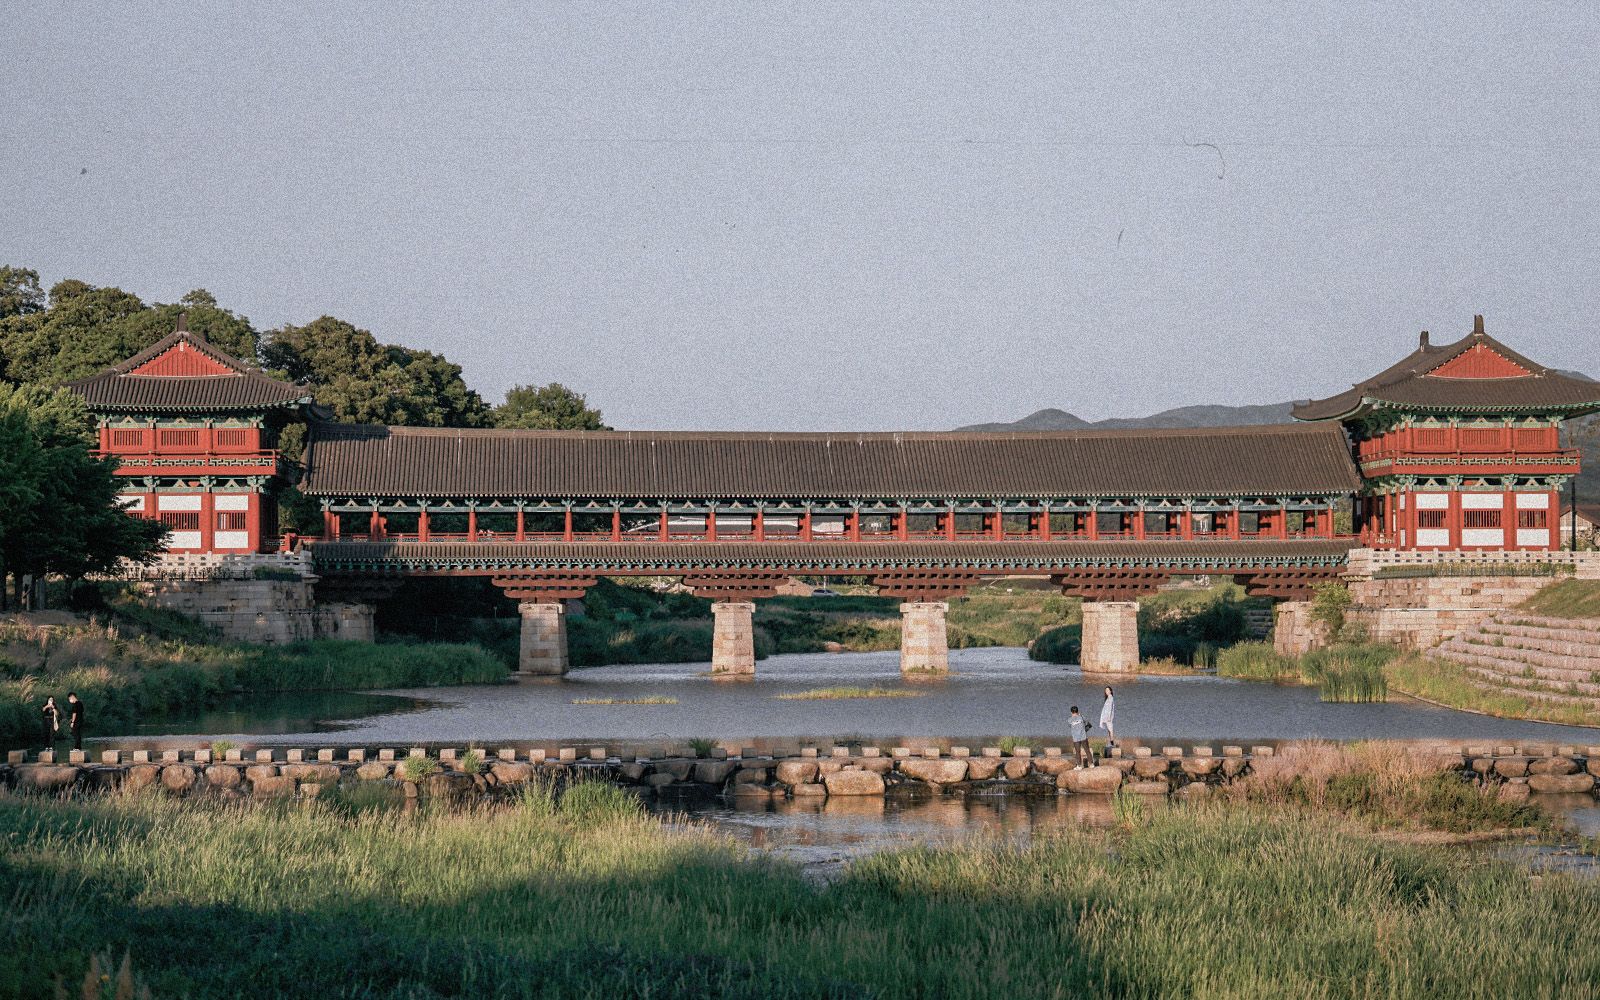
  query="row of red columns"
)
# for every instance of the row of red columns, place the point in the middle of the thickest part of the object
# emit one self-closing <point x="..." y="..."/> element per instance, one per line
<point x="994" y="525"/>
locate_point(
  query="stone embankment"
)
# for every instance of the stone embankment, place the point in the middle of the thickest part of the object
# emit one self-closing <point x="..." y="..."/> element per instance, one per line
<point x="1555" y="660"/>
<point x="814" y="773"/>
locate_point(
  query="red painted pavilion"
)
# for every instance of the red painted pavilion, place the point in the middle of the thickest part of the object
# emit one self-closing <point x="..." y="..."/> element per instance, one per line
<point x="195" y="432"/>
<point x="1459" y="447"/>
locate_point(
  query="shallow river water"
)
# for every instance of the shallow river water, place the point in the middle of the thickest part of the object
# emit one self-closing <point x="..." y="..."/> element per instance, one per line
<point x="990" y="693"/>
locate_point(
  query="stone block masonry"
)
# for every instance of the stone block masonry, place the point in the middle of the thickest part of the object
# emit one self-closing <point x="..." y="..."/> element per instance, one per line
<point x="924" y="639"/>
<point x="543" y="648"/>
<point x="1293" y="631"/>
<point x="733" y="640"/>
<point x="1110" y="636"/>
<point x="261" y="611"/>
<point x="1422" y="612"/>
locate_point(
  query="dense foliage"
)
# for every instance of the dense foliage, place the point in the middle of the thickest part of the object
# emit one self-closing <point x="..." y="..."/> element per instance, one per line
<point x="58" y="512"/>
<point x="552" y="407"/>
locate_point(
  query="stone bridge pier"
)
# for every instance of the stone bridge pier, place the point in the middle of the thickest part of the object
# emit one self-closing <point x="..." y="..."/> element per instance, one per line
<point x="924" y="640"/>
<point x="733" y="639"/>
<point x="1110" y="637"/>
<point x="543" y="649"/>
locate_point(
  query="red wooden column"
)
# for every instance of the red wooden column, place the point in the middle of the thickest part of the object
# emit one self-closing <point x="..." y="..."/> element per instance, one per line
<point x="208" y="521"/>
<point x="1454" y="517"/>
<point x="566" y="526"/>
<point x="664" y="528"/>
<point x="1233" y="523"/>
<point x="997" y="528"/>
<point x="373" y="526"/>
<point x="1553" y="520"/>
<point x="711" y="524"/>
<point x="1138" y="523"/>
<point x="805" y="525"/>
<point x="854" y="523"/>
<point x="1282" y="525"/>
<point x="472" y="524"/>
<point x="1509" y="516"/>
<point x="950" y="525"/>
<point x="422" y="525"/>
<point x="330" y="524"/>
<point x="522" y="525"/>
<point x="902" y="529"/>
<point x="760" y="522"/>
<point x="616" y="524"/>
<point x="1186" y="524"/>
<point x="1044" y="523"/>
<point x="1092" y="523"/>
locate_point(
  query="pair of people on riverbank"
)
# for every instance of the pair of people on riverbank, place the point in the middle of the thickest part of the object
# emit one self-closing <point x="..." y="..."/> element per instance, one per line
<point x="1079" y="727"/>
<point x="50" y="717"/>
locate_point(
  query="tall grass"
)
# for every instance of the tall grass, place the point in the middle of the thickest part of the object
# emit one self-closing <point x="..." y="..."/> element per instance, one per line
<point x="581" y="896"/>
<point x="1345" y="673"/>
<point x="1567" y="599"/>
<point x="1448" y="683"/>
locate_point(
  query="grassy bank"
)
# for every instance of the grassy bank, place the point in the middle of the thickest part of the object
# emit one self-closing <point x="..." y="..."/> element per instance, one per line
<point x="586" y="898"/>
<point x="125" y="679"/>
<point x="1447" y="683"/>
<point x="1567" y="599"/>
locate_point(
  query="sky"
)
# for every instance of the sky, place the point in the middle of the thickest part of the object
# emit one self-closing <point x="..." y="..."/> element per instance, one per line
<point x="853" y="216"/>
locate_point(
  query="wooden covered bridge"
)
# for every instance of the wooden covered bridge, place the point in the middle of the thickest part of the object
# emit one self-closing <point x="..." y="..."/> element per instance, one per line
<point x="1455" y="447"/>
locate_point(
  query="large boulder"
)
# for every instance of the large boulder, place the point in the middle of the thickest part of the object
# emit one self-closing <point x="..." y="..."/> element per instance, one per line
<point x="223" y="776"/>
<point x="748" y="776"/>
<point x="1593" y="766"/>
<point x="272" y="785"/>
<point x="373" y="770"/>
<point x="677" y="767"/>
<point x="1053" y="766"/>
<point x="935" y="772"/>
<point x="1553" y="765"/>
<point x="324" y="774"/>
<point x="46" y="777"/>
<point x="797" y="772"/>
<point x="1018" y="767"/>
<point x="1511" y="767"/>
<point x="1514" y="791"/>
<point x="854" y="782"/>
<point x="446" y="785"/>
<point x="632" y="770"/>
<point x="878" y="765"/>
<point x="982" y="768"/>
<point x="178" y="778"/>
<point x="1193" y="790"/>
<point x="255" y="772"/>
<point x="510" y="772"/>
<point x="1150" y="767"/>
<point x="1200" y="767"/>
<point x="1091" y="780"/>
<point x="1556" y="783"/>
<point x="141" y="776"/>
<point x="713" y="772"/>
<point x="809" y="789"/>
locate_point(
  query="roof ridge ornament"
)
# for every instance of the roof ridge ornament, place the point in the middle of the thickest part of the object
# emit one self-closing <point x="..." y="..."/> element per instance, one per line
<point x="1477" y="326"/>
<point x="1422" y="342"/>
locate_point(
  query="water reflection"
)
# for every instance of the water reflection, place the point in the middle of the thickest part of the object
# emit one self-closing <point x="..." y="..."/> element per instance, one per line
<point x="282" y="712"/>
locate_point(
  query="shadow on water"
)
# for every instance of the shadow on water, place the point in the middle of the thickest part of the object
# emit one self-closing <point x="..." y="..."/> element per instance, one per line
<point x="266" y="714"/>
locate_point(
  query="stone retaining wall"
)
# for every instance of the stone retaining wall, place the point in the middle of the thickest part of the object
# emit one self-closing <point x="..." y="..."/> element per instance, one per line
<point x="1422" y="612"/>
<point x="262" y="611"/>
<point x="813" y="773"/>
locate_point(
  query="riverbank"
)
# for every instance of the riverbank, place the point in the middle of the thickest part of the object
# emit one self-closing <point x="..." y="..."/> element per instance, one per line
<point x="124" y="678"/>
<point x="579" y="894"/>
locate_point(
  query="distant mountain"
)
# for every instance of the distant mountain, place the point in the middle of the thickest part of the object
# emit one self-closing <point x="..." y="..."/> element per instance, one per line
<point x="1183" y="416"/>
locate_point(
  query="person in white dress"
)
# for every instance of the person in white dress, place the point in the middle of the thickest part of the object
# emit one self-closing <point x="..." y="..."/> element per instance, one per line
<point x="1108" y="718"/>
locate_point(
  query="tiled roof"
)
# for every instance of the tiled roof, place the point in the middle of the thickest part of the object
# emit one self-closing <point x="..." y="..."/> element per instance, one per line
<point x="365" y="461"/>
<point x="400" y="557"/>
<point x="1407" y="383"/>
<point x="118" y="390"/>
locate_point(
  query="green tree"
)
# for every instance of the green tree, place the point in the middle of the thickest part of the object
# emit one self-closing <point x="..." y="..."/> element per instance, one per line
<point x="20" y="293"/>
<point x="85" y="329"/>
<point x="58" y="505"/>
<point x="363" y="381"/>
<point x="552" y="407"/>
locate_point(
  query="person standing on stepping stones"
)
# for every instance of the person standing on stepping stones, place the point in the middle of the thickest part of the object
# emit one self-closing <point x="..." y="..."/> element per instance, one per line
<point x="1108" y="718"/>
<point x="1078" y="726"/>
<point x="75" y="718"/>
<point x="50" y="716"/>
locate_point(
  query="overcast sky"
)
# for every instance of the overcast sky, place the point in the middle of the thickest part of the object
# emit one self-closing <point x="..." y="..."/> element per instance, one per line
<point x="853" y="216"/>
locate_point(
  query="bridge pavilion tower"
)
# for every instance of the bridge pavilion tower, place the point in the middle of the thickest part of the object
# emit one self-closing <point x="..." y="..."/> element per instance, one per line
<point x="195" y="432"/>
<point x="1459" y="447"/>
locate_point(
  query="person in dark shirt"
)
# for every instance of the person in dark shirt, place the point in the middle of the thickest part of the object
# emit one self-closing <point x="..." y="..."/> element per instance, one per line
<point x="50" y="716"/>
<point x="75" y="718"/>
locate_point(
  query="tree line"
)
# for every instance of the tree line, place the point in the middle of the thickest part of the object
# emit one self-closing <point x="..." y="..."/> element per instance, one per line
<point x="58" y="514"/>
